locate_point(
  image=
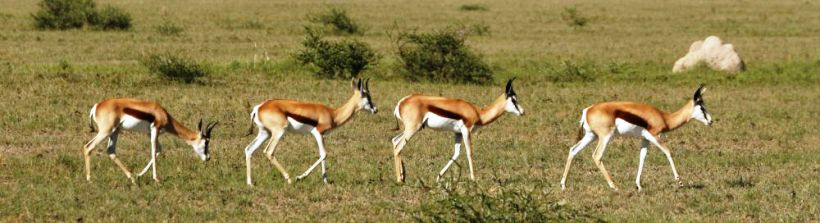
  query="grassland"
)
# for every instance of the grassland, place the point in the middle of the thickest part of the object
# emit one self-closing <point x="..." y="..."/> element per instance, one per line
<point x="758" y="162"/>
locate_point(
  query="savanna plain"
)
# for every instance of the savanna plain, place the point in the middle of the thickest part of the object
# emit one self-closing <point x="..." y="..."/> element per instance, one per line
<point x="757" y="162"/>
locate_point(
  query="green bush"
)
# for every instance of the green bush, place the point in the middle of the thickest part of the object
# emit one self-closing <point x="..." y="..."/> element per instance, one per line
<point x="472" y="204"/>
<point x="570" y="72"/>
<point x="175" y="67"/>
<point x="441" y="56"/>
<point x="341" y="59"/>
<point x="64" y="14"/>
<point x="474" y="7"/>
<point x="338" y="20"/>
<point x="111" y="18"/>
<point x="573" y="18"/>
<point x="169" y="28"/>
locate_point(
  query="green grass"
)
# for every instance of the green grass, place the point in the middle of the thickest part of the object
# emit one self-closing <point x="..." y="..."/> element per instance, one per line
<point x="758" y="162"/>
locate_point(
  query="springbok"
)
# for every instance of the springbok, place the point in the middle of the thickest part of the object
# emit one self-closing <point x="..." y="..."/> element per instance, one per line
<point x="608" y="119"/>
<point x="112" y="115"/>
<point x="275" y="116"/>
<point x="418" y="111"/>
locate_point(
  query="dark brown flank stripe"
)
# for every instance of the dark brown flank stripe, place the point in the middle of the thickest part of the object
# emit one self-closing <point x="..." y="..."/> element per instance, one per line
<point x="139" y="115"/>
<point x="444" y="113"/>
<point x="302" y="119"/>
<point x="631" y="118"/>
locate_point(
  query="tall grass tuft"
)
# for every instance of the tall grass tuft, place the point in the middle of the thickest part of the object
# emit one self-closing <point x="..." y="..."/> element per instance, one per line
<point x="474" y="7"/>
<point x="573" y="18"/>
<point x="111" y="18"/>
<point x="174" y="67"/>
<point x="169" y="28"/>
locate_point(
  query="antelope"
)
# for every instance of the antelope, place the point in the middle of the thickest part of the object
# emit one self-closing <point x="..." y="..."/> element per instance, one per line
<point x="276" y="116"/>
<point x="415" y="112"/>
<point x="605" y="120"/>
<point x="113" y="115"/>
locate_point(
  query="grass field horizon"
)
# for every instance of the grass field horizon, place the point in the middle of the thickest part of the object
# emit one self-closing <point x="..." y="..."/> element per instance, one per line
<point x="758" y="162"/>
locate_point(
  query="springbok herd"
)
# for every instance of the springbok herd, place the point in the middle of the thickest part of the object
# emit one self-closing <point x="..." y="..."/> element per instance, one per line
<point x="274" y="117"/>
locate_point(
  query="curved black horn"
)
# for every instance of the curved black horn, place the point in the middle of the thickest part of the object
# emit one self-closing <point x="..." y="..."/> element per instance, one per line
<point x="210" y="127"/>
<point x="367" y="84"/>
<point x="360" y="84"/>
<point x="199" y="126"/>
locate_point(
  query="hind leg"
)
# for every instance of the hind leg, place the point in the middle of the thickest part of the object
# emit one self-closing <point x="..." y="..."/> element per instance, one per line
<point x="598" y="155"/>
<point x="89" y="147"/>
<point x="574" y="150"/>
<point x="112" y="153"/>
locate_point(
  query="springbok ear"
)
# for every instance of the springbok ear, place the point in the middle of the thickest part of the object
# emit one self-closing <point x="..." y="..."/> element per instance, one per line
<point x="199" y="126"/>
<point x="353" y="83"/>
<point x="699" y="92"/>
<point x="359" y="84"/>
<point x="509" y="89"/>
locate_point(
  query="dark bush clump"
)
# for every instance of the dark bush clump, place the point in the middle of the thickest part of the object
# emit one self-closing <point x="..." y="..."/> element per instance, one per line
<point x="441" y="56"/>
<point x="472" y="204"/>
<point x="175" y="67"/>
<point x="474" y="7"/>
<point x="338" y="20"/>
<point x="111" y="18"/>
<point x="74" y="14"/>
<point x="342" y="59"/>
<point x="64" y="14"/>
<point x="573" y="18"/>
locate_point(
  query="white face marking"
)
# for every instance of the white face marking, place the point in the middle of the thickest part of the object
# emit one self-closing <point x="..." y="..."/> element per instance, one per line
<point x="437" y="122"/>
<point x="366" y="105"/>
<point x="513" y="107"/>
<point x="698" y="114"/>
<point x="296" y="126"/>
<point x="199" y="149"/>
<point x="628" y="129"/>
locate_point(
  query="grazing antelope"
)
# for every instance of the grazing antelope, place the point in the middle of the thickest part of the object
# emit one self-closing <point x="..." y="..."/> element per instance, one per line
<point x="608" y="119"/>
<point x="418" y="111"/>
<point x="275" y="116"/>
<point x="112" y="115"/>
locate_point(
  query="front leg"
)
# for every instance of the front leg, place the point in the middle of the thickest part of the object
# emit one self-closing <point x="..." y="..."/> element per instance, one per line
<point x="465" y="132"/>
<point x="644" y="150"/>
<point x="651" y="138"/>
<point x="456" y="153"/>
<point x="322" y="154"/>
<point x="154" y="145"/>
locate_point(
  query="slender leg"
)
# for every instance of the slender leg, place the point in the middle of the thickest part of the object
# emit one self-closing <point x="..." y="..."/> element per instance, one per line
<point x="112" y="153"/>
<point x="456" y="151"/>
<point x="260" y="138"/>
<point x="666" y="152"/>
<point x="397" y="148"/>
<point x="150" y="161"/>
<point x="469" y="149"/>
<point x="270" y="153"/>
<point x="89" y="147"/>
<point x="574" y="150"/>
<point x="322" y="155"/>
<point x="154" y="143"/>
<point x="644" y="150"/>
<point x="599" y="153"/>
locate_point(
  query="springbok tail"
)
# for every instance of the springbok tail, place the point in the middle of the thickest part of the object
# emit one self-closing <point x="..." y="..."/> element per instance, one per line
<point x="91" y="118"/>
<point x="581" y="125"/>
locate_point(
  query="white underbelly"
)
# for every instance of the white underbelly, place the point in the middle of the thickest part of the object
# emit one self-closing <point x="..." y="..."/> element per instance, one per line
<point x="443" y="124"/>
<point x="296" y="126"/>
<point x="135" y="124"/>
<point x="628" y="129"/>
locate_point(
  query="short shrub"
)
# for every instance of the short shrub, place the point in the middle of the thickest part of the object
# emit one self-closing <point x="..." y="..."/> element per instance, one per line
<point x="175" y="67"/>
<point x="573" y="18"/>
<point x="342" y="59"/>
<point x="570" y="72"/>
<point x="338" y="20"/>
<point x="441" y="56"/>
<point x="111" y="18"/>
<point x="474" y="7"/>
<point x="64" y="14"/>
<point x="169" y="28"/>
<point x="507" y="204"/>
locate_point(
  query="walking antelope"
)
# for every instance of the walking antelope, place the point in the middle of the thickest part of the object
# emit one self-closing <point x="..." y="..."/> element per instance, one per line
<point x="417" y="111"/>
<point x="275" y="116"/>
<point x="112" y="115"/>
<point x="608" y="119"/>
